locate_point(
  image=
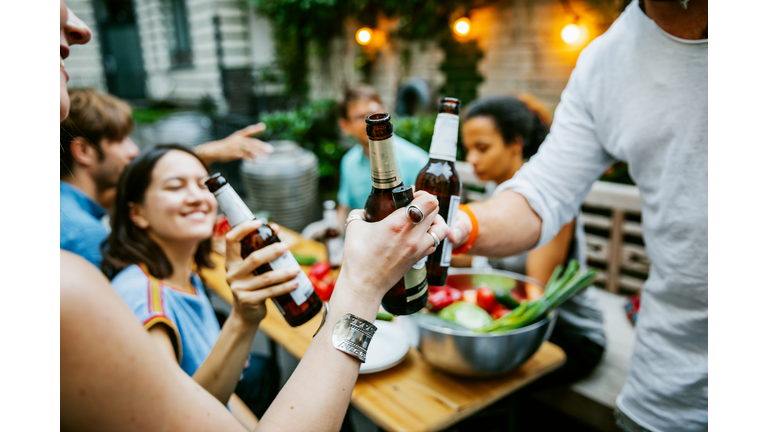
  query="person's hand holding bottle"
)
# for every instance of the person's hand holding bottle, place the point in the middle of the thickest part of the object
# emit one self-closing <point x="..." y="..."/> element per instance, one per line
<point x="377" y="255"/>
<point x="251" y="291"/>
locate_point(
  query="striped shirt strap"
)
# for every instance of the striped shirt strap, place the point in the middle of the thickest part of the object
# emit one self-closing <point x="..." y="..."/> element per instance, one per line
<point x="157" y="313"/>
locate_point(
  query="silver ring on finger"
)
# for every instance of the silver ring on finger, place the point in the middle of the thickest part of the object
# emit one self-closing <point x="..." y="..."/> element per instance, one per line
<point x="352" y="218"/>
<point x="414" y="214"/>
<point x="434" y="237"/>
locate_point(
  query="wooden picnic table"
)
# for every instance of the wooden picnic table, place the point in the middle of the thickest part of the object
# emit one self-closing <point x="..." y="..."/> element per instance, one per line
<point x="411" y="396"/>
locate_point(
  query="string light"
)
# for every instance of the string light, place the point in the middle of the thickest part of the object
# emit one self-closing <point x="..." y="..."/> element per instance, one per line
<point x="461" y="26"/>
<point x="364" y="36"/>
<point x="570" y="34"/>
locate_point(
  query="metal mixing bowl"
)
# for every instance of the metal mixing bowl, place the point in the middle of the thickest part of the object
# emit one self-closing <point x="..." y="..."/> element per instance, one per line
<point x="465" y="353"/>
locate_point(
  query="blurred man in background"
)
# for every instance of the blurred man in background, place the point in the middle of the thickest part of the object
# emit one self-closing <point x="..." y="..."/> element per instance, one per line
<point x="358" y="103"/>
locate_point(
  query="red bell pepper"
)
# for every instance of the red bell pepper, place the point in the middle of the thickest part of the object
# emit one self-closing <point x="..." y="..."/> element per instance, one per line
<point x="442" y="298"/>
<point x="322" y="280"/>
<point x="320" y="269"/>
<point x="222" y="226"/>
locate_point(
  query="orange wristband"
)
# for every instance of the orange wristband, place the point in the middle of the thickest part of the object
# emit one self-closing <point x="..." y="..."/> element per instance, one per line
<point x="472" y="235"/>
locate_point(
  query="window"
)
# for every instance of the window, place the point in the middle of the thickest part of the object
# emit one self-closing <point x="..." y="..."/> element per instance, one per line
<point x="181" y="41"/>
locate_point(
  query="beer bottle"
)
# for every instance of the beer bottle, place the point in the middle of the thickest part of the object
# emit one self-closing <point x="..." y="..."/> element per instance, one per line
<point x="334" y="244"/>
<point x="385" y="177"/>
<point x="299" y="305"/>
<point x="439" y="177"/>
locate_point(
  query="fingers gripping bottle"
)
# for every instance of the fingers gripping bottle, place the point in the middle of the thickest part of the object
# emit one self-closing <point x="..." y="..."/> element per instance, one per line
<point x="301" y="304"/>
<point x="385" y="177"/>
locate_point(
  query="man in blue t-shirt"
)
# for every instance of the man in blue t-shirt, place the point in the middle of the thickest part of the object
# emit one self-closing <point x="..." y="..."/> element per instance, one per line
<point x="95" y="148"/>
<point x="355" y="184"/>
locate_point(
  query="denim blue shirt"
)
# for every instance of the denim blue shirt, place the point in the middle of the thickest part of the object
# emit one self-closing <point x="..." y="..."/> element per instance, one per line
<point x="356" y="171"/>
<point x="81" y="231"/>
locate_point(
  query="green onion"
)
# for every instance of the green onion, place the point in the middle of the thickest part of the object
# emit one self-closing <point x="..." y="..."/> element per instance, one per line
<point x="561" y="286"/>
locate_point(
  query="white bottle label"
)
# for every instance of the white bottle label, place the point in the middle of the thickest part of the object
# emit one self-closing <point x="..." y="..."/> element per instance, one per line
<point x="335" y="249"/>
<point x="233" y="206"/>
<point x="453" y="211"/>
<point x="305" y="289"/>
<point x="444" y="137"/>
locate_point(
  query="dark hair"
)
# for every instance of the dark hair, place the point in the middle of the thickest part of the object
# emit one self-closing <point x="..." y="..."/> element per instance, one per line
<point x="513" y="118"/>
<point x="93" y="116"/>
<point x="128" y="244"/>
<point x="354" y="95"/>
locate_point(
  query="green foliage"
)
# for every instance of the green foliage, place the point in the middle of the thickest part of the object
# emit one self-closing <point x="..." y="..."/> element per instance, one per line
<point x="296" y="23"/>
<point x="150" y="115"/>
<point x="314" y="127"/>
<point x="416" y="129"/>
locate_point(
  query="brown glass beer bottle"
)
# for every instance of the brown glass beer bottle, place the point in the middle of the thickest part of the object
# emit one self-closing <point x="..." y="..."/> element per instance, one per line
<point x="385" y="177"/>
<point x="299" y="305"/>
<point x="439" y="177"/>
<point x="334" y="243"/>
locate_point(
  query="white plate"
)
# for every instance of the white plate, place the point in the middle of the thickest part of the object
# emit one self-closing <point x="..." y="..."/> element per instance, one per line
<point x="388" y="348"/>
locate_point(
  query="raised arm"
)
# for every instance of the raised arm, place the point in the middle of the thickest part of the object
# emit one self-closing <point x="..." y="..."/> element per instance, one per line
<point x="376" y="255"/>
<point x="113" y="377"/>
<point x="530" y="209"/>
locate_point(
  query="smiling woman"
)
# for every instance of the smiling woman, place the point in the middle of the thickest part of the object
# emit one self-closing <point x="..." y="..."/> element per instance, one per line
<point x="164" y="218"/>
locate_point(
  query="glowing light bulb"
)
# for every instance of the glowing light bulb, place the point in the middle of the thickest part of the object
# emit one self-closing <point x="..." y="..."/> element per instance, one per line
<point x="462" y="26"/>
<point x="570" y="33"/>
<point x="364" y="36"/>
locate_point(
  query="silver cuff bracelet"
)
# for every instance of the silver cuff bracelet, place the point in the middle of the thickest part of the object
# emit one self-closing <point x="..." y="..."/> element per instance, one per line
<point x="352" y="335"/>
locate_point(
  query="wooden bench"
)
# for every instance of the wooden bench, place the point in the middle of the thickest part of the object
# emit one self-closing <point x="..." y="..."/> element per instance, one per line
<point x="612" y="220"/>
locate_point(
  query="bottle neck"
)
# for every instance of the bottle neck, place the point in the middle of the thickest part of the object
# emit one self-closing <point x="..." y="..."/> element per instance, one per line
<point x="233" y="206"/>
<point x="384" y="171"/>
<point x="329" y="218"/>
<point x="445" y="137"/>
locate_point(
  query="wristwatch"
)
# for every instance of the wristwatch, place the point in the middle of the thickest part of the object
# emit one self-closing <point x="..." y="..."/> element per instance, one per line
<point x="351" y="335"/>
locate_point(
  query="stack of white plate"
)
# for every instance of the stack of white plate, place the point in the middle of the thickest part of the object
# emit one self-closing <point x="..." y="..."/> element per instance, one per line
<point x="284" y="185"/>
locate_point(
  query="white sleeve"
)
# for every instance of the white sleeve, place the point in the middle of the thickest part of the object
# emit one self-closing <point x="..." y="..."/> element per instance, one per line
<point x="559" y="176"/>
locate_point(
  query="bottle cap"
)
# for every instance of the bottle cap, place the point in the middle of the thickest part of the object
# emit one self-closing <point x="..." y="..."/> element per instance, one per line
<point x="403" y="195"/>
<point x="329" y="205"/>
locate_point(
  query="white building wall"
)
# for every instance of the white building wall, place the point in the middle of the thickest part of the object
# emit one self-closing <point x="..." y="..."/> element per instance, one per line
<point x="84" y="65"/>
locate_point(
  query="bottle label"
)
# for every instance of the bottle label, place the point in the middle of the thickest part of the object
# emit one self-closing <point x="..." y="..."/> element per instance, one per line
<point x="233" y="206"/>
<point x="384" y="171"/>
<point x="335" y="249"/>
<point x="416" y="281"/>
<point x="453" y="211"/>
<point x="305" y="289"/>
<point x="444" y="137"/>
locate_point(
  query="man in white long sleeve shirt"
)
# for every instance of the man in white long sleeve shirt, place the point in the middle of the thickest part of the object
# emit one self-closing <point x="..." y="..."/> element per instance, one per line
<point x="638" y="94"/>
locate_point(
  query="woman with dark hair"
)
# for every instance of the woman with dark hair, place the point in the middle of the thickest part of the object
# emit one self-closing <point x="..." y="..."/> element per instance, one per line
<point x="163" y="222"/>
<point x="500" y="133"/>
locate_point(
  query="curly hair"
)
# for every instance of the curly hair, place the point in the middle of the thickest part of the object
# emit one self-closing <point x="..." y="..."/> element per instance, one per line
<point x="524" y="117"/>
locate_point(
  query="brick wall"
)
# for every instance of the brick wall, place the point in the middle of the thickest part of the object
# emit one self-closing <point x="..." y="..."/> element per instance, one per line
<point x="519" y="39"/>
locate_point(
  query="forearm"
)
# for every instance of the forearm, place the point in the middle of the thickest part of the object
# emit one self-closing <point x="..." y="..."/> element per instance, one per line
<point x="220" y="371"/>
<point x="242" y="413"/>
<point x="203" y="151"/>
<point x="507" y="225"/>
<point x="320" y="388"/>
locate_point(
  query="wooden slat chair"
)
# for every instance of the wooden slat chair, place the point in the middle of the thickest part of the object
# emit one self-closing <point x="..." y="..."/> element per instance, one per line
<point x="611" y="214"/>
